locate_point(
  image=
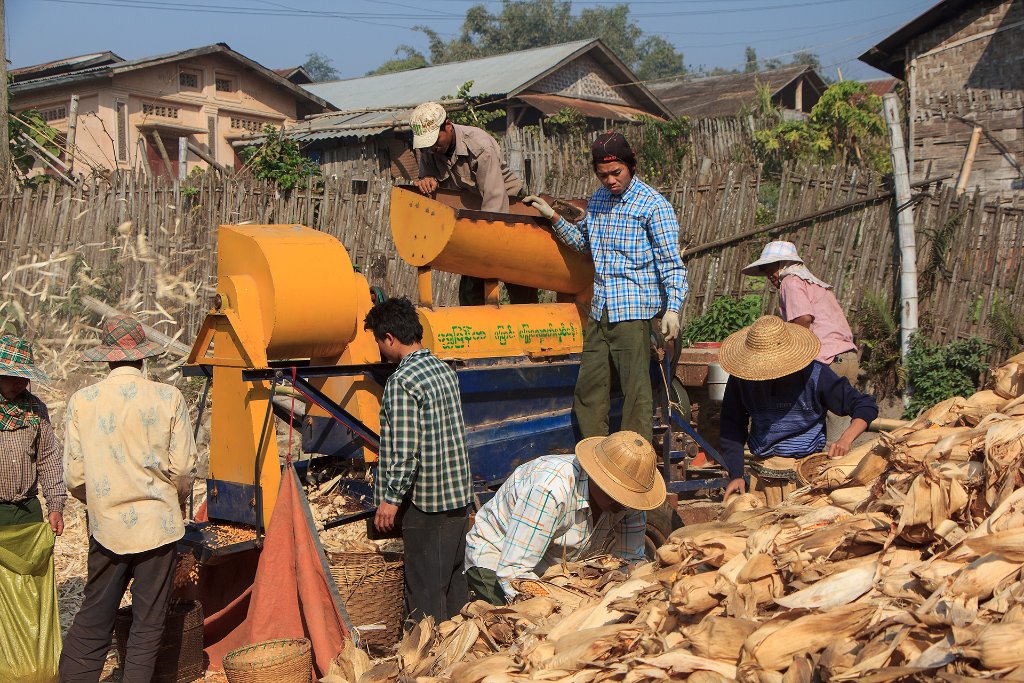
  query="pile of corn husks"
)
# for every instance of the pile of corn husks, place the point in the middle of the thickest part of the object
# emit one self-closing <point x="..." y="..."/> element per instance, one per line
<point x="900" y="561"/>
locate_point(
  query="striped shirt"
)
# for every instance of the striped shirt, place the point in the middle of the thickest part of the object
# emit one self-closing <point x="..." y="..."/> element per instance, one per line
<point x="633" y="239"/>
<point x="423" y="437"/>
<point x="540" y="516"/>
<point x="786" y="416"/>
<point x="30" y="459"/>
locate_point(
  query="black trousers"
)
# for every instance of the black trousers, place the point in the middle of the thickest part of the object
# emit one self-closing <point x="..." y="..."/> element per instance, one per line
<point x="88" y="639"/>
<point x="435" y="555"/>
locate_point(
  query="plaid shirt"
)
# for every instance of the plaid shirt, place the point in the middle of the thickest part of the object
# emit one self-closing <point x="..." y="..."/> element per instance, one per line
<point x="542" y="515"/>
<point x="634" y="241"/>
<point x="423" y="437"/>
<point x="30" y="457"/>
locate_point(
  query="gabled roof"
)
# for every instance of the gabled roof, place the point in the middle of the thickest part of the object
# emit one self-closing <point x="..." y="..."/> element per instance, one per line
<point x="888" y="55"/>
<point x="882" y="86"/>
<point x="84" y="73"/>
<point x="727" y="95"/>
<point x="502" y="75"/>
<point x="295" y="74"/>
<point x="66" y="65"/>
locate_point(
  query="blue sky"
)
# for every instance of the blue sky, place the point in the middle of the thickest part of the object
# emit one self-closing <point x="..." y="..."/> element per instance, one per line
<point x="358" y="35"/>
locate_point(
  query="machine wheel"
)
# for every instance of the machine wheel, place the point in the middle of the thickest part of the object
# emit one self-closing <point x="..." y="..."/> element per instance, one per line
<point x="661" y="522"/>
<point x="682" y="399"/>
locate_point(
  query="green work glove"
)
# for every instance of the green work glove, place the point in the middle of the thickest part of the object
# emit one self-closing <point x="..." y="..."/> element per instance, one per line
<point x="539" y="204"/>
<point x="670" y="325"/>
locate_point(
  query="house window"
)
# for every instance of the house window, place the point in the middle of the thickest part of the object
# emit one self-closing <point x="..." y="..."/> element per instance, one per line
<point x="190" y="80"/>
<point x="54" y="114"/>
<point x="122" y="130"/>
<point x="225" y="84"/>
<point x="246" y="124"/>
<point x="167" y="112"/>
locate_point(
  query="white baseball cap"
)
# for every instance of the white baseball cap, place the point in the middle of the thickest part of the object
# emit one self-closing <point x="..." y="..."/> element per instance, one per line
<point x="426" y="121"/>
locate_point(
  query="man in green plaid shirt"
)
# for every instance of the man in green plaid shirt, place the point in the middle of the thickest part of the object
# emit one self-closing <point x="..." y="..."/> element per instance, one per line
<point x="423" y="474"/>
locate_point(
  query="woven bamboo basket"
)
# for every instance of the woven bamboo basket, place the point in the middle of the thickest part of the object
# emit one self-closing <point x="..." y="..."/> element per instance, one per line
<point x="372" y="587"/>
<point x="272" y="661"/>
<point x="180" y="658"/>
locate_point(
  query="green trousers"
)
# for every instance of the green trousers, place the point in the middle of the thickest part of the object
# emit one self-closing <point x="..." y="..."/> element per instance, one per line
<point x="484" y="585"/>
<point x="22" y="512"/>
<point x="626" y="347"/>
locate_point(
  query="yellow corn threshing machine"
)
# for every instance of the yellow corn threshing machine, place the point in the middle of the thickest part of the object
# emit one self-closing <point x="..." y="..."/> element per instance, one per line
<point x="288" y="312"/>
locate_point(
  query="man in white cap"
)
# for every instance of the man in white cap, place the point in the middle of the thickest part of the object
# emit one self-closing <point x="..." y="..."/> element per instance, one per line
<point x="805" y="300"/>
<point x="131" y="457"/>
<point x="775" y="403"/>
<point x="564" y="507"/>
<point x="468" y="159"/>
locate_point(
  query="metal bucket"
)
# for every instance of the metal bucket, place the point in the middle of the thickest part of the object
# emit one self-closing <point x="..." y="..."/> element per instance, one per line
<point x="717" y="378"/>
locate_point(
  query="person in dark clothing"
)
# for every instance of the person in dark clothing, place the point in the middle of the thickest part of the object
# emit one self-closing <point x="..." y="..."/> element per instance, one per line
<point x="776" y="402"/>
<point x="423" y="481"/>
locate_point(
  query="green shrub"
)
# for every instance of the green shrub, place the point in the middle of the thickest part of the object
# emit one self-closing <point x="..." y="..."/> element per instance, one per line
<point x="724" y="316"/>
<point x="937" y="372"/>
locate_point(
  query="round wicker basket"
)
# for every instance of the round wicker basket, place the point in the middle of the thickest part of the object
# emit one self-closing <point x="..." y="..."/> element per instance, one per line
<point x="272" y="661"/>
<point x="372" y="588"/>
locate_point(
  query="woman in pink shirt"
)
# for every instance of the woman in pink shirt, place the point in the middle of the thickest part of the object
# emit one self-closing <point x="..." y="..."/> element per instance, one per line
<point x="806" y="300"/>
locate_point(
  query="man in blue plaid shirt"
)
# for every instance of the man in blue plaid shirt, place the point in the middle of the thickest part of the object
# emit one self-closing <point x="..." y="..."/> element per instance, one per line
<point x="631" y="233"/>
<point x="423" y="474"/>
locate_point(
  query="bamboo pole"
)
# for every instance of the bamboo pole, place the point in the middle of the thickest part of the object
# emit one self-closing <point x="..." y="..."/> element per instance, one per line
<point x="905" y="223"/>
<point x="965" y="170"/>
<point x="72" y="132"/>
<point x="163" y="153"/>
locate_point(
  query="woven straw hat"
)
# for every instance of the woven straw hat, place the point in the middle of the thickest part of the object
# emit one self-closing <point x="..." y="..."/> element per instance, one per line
<point x="625" y="466"/>
<point x="773" y="252"/>
<point x="16" y="359"/>
<point x="123" y="339"/>
<point x="768" y="349"/>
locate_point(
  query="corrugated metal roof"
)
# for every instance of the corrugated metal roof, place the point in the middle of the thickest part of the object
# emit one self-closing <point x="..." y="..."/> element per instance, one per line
<point x="346" y="124"/>
<point x="498" y="75"/>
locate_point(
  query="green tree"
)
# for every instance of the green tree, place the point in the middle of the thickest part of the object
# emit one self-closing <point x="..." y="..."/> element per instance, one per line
<point x="751" y="58"/>
<point x="279" y="160"/>
<point x="845" y="126"/>
<point x="412" y="59"/>
<point x="470" y="115"/>
<point x="320" y="67"/>
<point x="524" y="24"/>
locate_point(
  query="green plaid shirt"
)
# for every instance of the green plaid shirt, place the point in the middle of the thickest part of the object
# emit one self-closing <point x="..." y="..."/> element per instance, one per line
<point x="423" y="437"/>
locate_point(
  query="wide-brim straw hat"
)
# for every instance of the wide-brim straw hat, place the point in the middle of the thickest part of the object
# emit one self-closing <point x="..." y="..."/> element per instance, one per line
<point x="123" y="339"/>
<point x="773" y="252"/>
<point x="768" y="349"/>
<point x="16" y="359"/>
<point x="625" y="466"/>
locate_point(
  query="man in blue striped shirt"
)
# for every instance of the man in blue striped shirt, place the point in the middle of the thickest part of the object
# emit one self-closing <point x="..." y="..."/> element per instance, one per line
<point x="776" y="401"/>
<point x="631" y="233"/>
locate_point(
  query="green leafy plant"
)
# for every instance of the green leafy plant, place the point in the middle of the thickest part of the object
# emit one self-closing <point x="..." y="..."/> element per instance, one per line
<point x="724" y="316"/>
<point x="279" y="160"/>
<point x="1007" y="328"/>
<point x="845" y="126"/>
<point x="31" y="124"/>
<point x="663" y="146"/>
<point x="937" y="372"/>
<point x="472" y="115"/>
<point x="879" y="333"/>
<point x="566" y="120"/>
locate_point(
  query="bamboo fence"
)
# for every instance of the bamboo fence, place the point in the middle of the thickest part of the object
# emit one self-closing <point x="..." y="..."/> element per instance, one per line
<point x="149" y="245"/>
